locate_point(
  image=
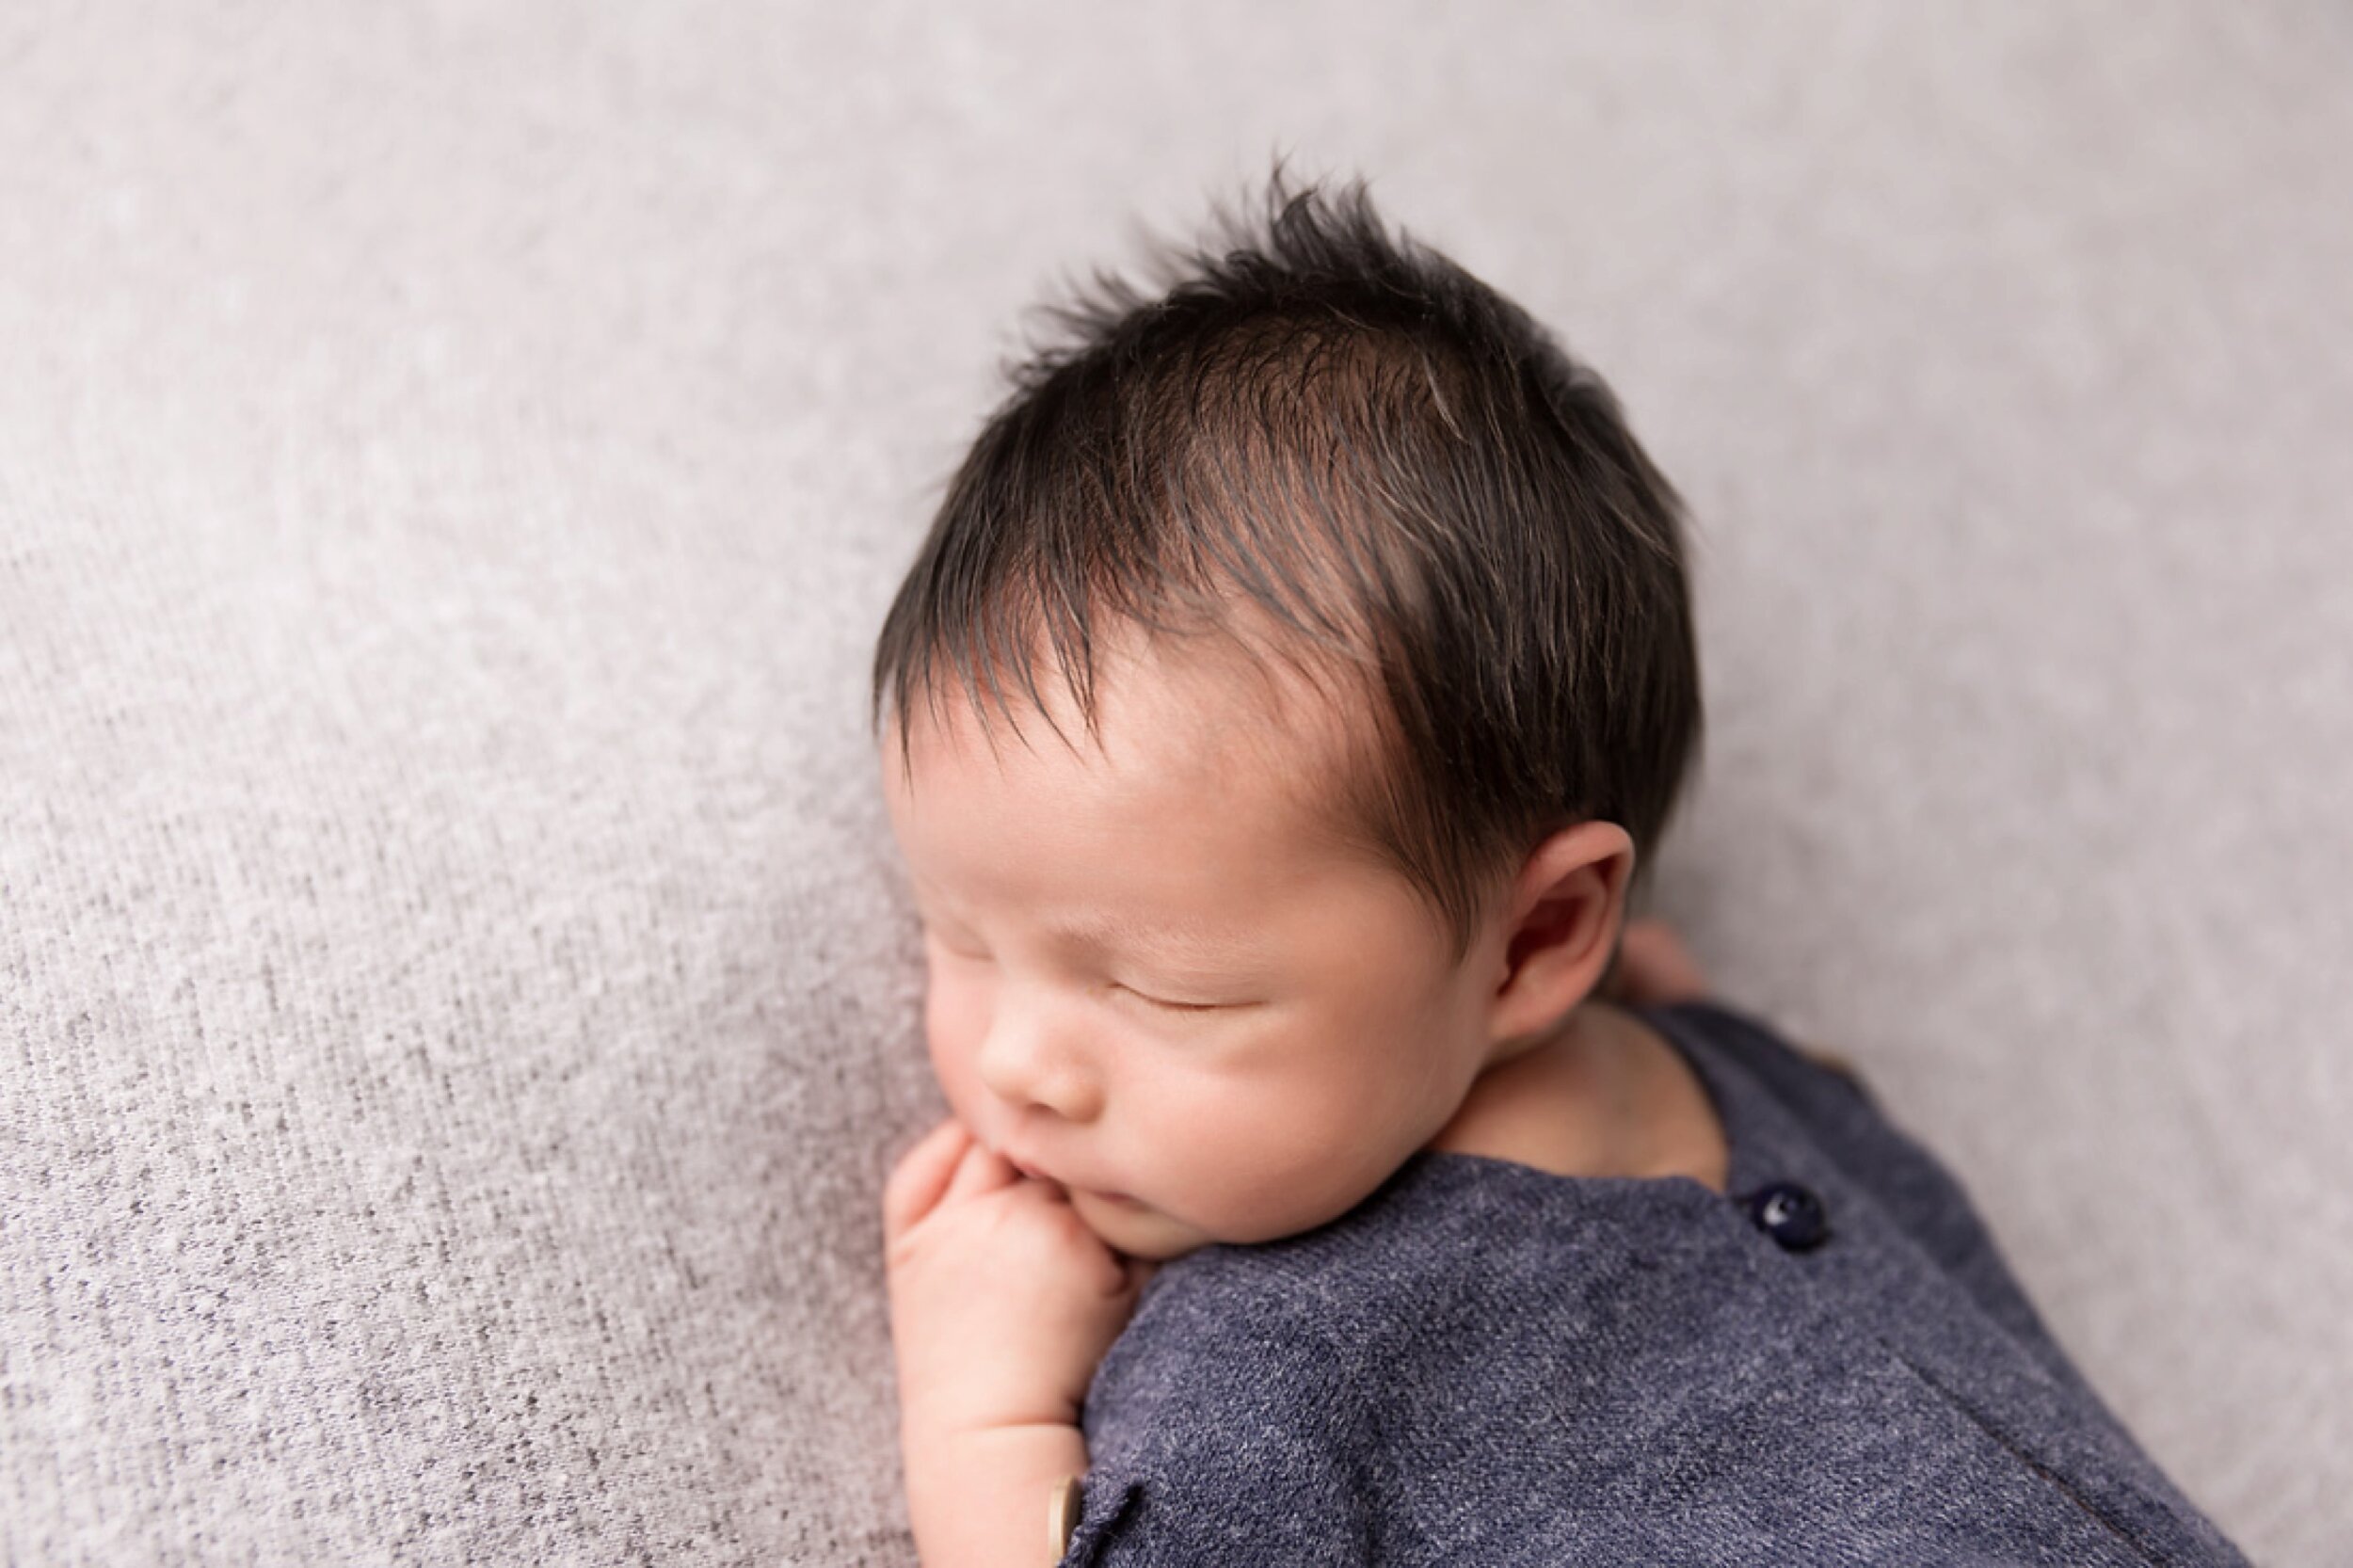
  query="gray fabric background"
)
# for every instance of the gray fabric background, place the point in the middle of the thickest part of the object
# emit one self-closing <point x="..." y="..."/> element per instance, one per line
<point x="455" y="1009"/>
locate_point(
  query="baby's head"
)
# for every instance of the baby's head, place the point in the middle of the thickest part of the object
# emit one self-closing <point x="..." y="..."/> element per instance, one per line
<point x="1297" y="670"/>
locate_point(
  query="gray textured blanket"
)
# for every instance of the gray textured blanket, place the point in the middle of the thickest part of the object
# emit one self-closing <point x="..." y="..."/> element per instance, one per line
<point x="455" y="1008"/>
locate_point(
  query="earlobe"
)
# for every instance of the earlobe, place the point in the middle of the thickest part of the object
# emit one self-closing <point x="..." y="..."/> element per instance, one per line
<point x="1564" y="916"/>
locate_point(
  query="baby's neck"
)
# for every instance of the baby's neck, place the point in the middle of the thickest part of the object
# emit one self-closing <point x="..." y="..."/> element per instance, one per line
<point x="1601" y="1096"/>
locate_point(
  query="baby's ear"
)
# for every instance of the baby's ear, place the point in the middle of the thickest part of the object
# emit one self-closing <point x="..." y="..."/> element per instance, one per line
<point x="1562" y="920"/>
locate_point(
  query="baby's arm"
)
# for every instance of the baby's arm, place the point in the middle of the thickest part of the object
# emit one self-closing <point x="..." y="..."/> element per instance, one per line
<point x="1002" y="1303"/>
<point x="983" y="1499"/>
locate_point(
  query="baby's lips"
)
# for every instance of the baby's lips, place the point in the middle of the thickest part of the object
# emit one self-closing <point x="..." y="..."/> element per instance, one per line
<point x="1034" y="1174"/>
<point x="1122" y="1199"/>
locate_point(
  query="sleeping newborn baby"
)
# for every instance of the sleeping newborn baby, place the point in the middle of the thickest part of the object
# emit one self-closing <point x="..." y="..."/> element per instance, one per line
<point x="1295" y="681"/>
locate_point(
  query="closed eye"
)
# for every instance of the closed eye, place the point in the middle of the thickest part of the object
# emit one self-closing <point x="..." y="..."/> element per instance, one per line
<point x="1183" y="1007"/>
<point x="1170" y="1006"/>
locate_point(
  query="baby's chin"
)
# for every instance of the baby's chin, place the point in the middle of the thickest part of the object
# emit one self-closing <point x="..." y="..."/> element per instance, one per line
<point x="1137" y="1230"/>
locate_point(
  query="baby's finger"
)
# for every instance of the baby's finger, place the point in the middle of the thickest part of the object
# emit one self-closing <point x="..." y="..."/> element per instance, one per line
<point x="981" y="1170"/>
<point x="922" y="1178"/>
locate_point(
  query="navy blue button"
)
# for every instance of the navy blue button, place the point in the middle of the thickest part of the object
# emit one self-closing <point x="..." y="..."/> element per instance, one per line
<point x="1791" y="1214"/>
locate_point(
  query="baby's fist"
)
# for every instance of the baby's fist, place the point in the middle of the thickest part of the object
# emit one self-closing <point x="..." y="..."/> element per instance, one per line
<point x="1002" y="1301"/>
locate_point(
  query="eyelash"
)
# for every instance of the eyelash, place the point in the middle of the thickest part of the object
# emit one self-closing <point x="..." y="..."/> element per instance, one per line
<point x="1162" y="1003"/>
<point x="1167" y="1006"/>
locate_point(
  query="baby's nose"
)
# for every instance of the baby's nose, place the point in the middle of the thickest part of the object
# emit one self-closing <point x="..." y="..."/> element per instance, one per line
<point x="1027" y="1060"/>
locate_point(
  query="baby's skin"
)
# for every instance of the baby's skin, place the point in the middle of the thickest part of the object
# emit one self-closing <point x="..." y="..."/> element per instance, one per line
<point x="1169" y="1007"/>
<point x="1002" y="1303"/>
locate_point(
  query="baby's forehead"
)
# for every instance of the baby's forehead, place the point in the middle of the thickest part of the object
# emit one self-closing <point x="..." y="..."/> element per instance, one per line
<point x="1204" y="709"/>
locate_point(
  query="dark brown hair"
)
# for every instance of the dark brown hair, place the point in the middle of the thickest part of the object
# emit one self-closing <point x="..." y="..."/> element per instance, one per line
<point x="1386" y="461"/>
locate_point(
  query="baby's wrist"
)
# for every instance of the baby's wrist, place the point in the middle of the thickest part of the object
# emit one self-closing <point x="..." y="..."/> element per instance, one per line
<point x="949" y="1438"/>
<point x="986" y="1495"/>
<point x="943" y="1416"/>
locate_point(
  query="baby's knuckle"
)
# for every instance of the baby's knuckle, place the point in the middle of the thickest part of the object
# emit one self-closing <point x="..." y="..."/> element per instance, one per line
<point x="900" y="1184"/>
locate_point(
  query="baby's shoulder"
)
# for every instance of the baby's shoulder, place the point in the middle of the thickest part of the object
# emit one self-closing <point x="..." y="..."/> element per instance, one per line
<point x="1807" y="1078"/>
<point x="1606" y="1095"/>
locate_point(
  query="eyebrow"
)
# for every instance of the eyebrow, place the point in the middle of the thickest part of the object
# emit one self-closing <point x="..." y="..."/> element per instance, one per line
<point x="1184" y="939"/>
<point x="1190" y="940"/>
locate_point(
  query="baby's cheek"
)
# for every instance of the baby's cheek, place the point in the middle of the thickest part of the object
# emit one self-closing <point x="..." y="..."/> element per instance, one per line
<point x="955" y="1020"/>
<point x="1297" y="1156"/>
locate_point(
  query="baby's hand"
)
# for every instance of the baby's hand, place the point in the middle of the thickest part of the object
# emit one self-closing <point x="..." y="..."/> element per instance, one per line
<point x="1002" y="1301"/>
<point x="1654" y="968"/>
